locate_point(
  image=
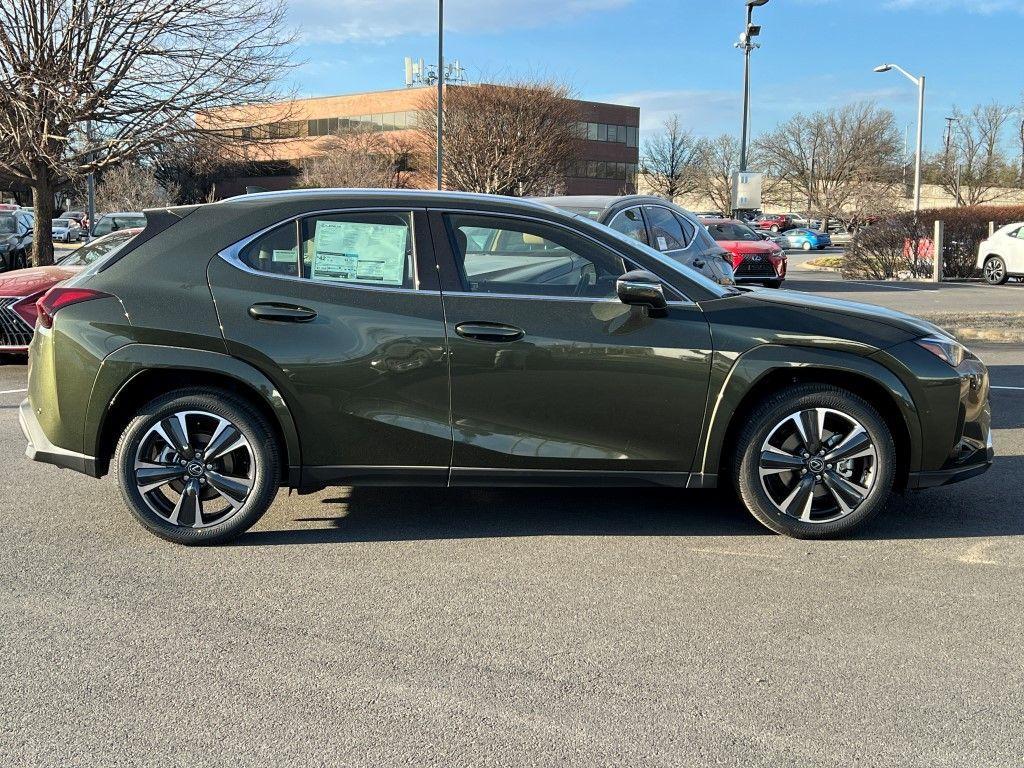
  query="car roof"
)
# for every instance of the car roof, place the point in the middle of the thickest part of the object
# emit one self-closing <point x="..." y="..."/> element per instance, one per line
<point x="601" y="201"/>
<point x="124" y="213"/>
<point x="720" y="220"/>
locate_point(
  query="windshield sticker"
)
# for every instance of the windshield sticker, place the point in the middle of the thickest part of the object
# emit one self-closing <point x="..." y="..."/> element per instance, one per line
<point x="356" y="252"/>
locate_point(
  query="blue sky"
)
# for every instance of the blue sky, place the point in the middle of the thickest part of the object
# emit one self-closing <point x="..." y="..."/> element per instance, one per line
<point x="670" y="56"/>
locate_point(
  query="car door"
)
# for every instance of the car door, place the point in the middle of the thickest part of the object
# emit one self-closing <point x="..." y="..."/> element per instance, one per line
<point x="673" y="235"/>
<point x="342" y="312"/>
<point x="553" y="380"/>
<point x="1015" y="252"/>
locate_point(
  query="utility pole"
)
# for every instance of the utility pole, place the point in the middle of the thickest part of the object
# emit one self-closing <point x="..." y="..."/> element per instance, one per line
<point x="90" y="180"/>
<point x="440" y="92"/>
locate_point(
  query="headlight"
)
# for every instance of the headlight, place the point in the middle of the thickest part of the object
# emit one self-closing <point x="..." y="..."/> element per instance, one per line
<point x="947" y="350"/>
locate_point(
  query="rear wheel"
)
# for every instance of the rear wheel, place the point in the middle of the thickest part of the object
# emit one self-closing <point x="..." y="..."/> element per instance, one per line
<point x="198" y="466"/>
<point x="775" y="228"/>
<point x="807" y="245"/>
<point x="995" y="271"/>
<point x="815" y="461"/>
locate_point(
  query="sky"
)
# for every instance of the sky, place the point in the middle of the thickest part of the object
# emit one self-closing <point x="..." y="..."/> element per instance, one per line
<point x="677" y="56"/>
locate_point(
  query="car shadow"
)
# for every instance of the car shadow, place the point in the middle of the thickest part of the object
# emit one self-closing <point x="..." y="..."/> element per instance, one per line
<point x="405" y="514"/>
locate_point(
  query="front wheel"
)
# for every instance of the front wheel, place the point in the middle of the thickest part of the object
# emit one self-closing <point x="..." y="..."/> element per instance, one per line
<point x="995" y="271"/>
<point x="814" y="462"/>
<point x="198" y="466"/>
<point x="775" y="228"/>
<point x="806" y="246"/>
<point x="773" y="283"/>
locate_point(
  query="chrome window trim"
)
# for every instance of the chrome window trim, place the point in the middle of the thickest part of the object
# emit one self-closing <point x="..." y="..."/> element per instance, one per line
<point x="626" y="261"/>
<point x="232" y="254"/>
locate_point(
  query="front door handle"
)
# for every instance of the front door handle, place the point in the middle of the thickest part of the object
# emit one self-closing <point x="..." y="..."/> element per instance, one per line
<point x="281" y="313"/>
<point x="495" y="332"/>
<point x="699" y="263"/>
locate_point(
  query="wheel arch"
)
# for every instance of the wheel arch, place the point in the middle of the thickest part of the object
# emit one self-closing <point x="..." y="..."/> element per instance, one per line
<point x="137" y="373"/>
<point x="766" y="370"/>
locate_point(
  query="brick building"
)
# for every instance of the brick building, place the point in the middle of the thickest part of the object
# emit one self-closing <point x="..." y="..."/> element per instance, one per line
<point x="607" y="165"/>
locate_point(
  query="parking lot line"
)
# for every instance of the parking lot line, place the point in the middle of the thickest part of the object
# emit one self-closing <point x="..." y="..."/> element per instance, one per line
<point x="12" y="391"/>
<point x="1018" y="389"/>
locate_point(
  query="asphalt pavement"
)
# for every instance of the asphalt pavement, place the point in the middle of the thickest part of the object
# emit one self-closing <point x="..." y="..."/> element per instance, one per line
<point x="513" y="627"/>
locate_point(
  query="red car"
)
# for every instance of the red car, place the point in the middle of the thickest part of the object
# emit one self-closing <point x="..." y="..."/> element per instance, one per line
<point x="20" y="289"/>
<point x="774" y="222"/>
<point x="754" y="259"/>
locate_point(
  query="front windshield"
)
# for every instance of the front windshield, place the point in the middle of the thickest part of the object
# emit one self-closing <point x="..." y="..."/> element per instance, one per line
<point x="62" y="222"/>
<point x="590" y="213"/>
<point x="689" y="273"/>
<point x="7" y="224"/>
<point x="97" y="249"/>
<point x="730" y="231"/>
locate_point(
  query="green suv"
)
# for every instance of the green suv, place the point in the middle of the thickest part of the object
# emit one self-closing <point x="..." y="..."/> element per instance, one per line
<point x="313" y="338"/>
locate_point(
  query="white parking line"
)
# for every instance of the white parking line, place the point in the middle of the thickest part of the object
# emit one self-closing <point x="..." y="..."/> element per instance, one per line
<point x="1017" y="389"/>
<point x="885" y="285"/>
<point x="12" y="391"/>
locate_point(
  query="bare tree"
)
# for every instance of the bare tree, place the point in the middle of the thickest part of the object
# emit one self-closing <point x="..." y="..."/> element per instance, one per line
<point x="365" y="157"/>
<point x="834" y="158"/>
<point x="722" y="159"/>
<point x="672" y="162"/>
<point x="132" y="187"/>
<point x="517" y="138"/>
<point x="973" y="165"/>
<point x="142" y="72"/>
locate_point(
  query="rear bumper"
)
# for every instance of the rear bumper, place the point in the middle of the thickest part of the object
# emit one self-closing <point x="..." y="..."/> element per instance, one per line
<point x="41" y="449"/>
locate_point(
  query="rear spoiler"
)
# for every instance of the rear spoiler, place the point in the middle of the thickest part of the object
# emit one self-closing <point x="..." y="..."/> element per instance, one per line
<point x="157" y="220"/>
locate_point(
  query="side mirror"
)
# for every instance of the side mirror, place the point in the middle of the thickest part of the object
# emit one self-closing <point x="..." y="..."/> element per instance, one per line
<point x="641" y="288"/>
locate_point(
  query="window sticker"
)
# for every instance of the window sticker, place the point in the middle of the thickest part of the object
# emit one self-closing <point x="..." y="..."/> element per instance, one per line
<point x="662" y="243"/>
<point x="286" y="256"/>
<point x="357" y="252"/>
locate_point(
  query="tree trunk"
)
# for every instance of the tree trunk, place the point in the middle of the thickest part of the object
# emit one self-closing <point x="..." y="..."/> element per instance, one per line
<point x="42" y="207"/>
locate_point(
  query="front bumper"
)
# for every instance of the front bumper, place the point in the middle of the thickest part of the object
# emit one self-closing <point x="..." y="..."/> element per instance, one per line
<point x="41" y="449"/>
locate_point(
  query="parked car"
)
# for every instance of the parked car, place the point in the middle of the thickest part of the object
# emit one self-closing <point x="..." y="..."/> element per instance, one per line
<point x="774" y="222"/>
<point x="79" y="216"/>
<point x="111" y="222"/>
<point x="8" y="207"/>
<point x="66" y="230"/>
<point x="653" y="221"/>
<point x="802" y="222"/>
<point x="20" y="290"/>
<point x="535" y="347"/>
<point x="1001" y="256"/>
<point x="805" y="239"/>
<point x="15" y="239"/>
<point x="754" y="259"/>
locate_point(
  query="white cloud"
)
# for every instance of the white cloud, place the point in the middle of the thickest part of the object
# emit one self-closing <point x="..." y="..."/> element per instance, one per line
<point x="380" y="20"/>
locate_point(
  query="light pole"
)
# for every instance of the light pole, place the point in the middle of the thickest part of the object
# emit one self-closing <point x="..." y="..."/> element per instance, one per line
<point x="440" y="89"/>
<point x="746" y="44"/>
<point x="919" y="82"/>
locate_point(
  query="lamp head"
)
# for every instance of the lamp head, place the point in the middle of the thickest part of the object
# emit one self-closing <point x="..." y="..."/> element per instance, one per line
<point x="883" y="68"/>
<point x="755" y="3"/>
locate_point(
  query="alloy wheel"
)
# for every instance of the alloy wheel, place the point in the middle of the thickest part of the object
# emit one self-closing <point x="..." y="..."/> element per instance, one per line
<point x="995" y="271"/>
<point x="818" y="465"/>
<point x="194" y="469"/>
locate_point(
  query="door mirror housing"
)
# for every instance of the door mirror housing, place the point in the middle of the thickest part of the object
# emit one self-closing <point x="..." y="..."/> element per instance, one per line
<point x="642" y="288"/>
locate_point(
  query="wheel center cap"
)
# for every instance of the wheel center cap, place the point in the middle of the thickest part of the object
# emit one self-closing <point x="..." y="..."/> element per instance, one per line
<point x="815" y="465"/>
<point x="195" y="468"/>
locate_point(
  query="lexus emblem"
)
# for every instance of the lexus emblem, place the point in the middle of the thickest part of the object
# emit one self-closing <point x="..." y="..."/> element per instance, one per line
<point x="756" y="258"/>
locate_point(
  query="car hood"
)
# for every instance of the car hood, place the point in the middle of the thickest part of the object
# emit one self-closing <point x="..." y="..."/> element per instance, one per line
<point x="24" y="282"/>
<point x="744" y="247"/>
<point x="914" y="326"/>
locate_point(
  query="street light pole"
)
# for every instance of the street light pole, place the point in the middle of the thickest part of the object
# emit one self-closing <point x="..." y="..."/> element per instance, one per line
<point x="746" y="44"/>
<point x="919" y="82"/>
<point x="90" y="181"/>
<point x="440" y="91"/>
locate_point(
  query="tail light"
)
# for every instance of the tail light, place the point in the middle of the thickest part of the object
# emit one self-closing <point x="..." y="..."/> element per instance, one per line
<point x="26" y="308"/>
<point x="57" y="298"/>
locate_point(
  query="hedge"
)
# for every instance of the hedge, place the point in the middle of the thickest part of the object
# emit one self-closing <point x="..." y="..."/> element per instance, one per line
<point x="884" y="251"/>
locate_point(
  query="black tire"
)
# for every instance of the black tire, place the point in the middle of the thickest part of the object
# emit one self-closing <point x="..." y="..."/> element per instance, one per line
<point x="775" y="228"/>
<point x="771" y="414"/>
<point x="772" y="283"/>
<point x="995" y="271"/>
<point x="261" y="456"/>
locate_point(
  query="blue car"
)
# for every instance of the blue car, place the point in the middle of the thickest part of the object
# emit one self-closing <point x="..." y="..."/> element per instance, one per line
<point x="807" y="239"/>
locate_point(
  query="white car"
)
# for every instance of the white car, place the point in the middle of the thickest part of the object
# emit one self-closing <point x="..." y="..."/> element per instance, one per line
<point x="1001" y="256"/>
<point x="66" y="230"/>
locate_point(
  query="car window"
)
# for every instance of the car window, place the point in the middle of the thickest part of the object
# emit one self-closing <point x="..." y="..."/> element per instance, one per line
<point x="666" y="231"/>
<point x="530" y="258"/>
<point x="276" y="251"/>
<point x="688" y="228"/>
<point x="7" y="224"/>
<point x="129" y="222"/>
<point x="91" y="252"/>
<point x="1019" y="234"/>
<point x="630" y="223"/>
<point x="361" y="248"/>
<point x="726" y="231"/>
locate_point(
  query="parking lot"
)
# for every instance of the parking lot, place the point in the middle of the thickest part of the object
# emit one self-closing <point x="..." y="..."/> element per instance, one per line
<point x="513" y="627"/>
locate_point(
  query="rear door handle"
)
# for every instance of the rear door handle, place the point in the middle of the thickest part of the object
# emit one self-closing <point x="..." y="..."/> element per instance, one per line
<point x="281" y="313"/>
<point x="494" y="332"/>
